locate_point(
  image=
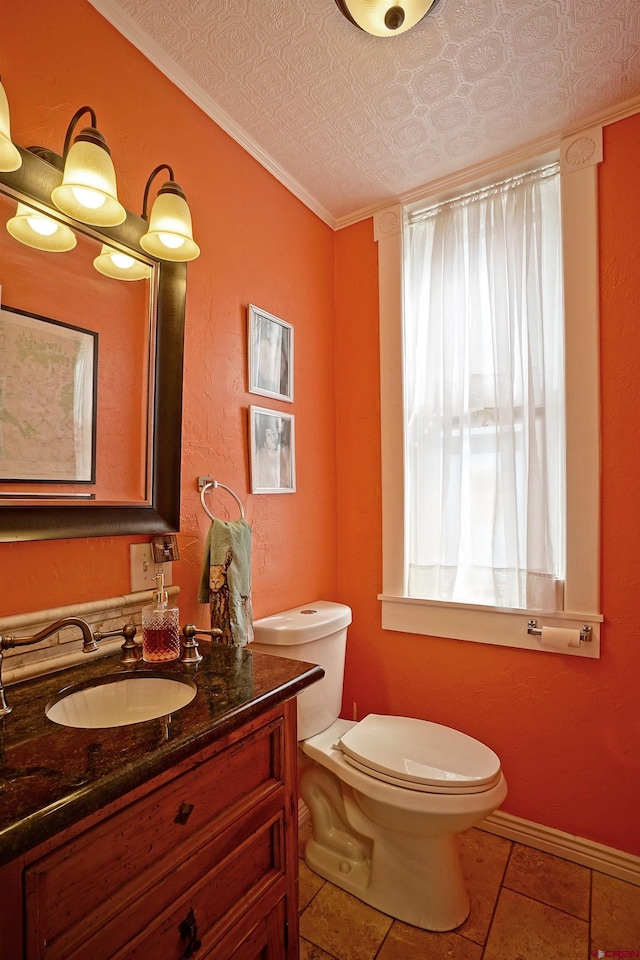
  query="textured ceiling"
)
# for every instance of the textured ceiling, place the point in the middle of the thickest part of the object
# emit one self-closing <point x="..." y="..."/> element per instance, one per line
<point x="350" y="122"/>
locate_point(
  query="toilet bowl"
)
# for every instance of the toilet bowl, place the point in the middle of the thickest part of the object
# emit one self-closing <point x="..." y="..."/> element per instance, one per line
<point x="386" y="794"/>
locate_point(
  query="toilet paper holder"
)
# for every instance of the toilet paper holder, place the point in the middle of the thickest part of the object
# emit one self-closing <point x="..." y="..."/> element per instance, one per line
<point x="536" y="631"/>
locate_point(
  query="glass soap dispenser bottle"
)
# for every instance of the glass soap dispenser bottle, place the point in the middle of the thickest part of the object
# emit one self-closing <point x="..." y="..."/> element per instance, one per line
<point x="160" y="627"/>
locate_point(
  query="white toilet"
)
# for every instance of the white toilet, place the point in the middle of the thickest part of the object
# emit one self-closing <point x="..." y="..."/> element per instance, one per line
<point x="386" y="794"/>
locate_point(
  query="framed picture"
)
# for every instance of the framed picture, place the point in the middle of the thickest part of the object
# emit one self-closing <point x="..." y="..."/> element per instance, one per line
<point x="270" y="355"/>
<point x="48" y="387"/>
<point x="272" y="451"/>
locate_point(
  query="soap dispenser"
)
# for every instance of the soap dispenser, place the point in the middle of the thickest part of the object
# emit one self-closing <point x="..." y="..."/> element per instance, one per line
<point x="160" y="627"/>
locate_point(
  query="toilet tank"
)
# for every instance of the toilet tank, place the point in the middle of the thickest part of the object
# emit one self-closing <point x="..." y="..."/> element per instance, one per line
<point x="317" y="633"/>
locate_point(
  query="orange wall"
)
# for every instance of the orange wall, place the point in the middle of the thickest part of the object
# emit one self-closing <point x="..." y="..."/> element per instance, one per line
<point x="567" y="730"/>
<point x="259" y="245"/>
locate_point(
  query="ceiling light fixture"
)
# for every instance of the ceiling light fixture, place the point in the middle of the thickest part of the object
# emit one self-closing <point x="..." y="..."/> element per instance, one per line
<point x="382" y="18"/>
<point x="88" y="189"/>
<point x="170" y="234"/>
<point x="37" y="230"/>
<point x="10" y="158"/>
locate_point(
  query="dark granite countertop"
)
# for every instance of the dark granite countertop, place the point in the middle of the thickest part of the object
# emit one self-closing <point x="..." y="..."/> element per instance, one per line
<point x="52" y="776"/>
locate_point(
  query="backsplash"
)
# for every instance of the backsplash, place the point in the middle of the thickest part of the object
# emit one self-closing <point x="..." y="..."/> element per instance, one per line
<point x="64" y="649"/>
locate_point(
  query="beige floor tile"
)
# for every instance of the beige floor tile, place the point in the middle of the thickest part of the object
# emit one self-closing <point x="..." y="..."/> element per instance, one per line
<point x="343" y="926"/>
<point x="554" y="881"/>
<point x="484" y="858"/>
<point x="308" y="884"/>
<point x="615" y="914"/>
<point x="532" y="930"/>
<point x="309" y="951"/>
<point x="409" y="943"/>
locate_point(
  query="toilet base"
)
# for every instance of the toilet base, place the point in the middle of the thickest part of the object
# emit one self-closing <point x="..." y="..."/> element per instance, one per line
<point x="409" y="876"/>
<point x="418" y="881"/>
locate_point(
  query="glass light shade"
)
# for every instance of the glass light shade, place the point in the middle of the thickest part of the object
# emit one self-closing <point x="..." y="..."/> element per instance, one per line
<point x="170" y="233"/>
<point x="88" y="189"/>
<point x="120" y="266"/>
<point x="10" y="158"/>
<point x="37" y="230"/>
<point x="378" y="17"/>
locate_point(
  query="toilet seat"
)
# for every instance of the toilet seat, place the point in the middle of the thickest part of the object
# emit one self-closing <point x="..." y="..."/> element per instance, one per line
<point x="420" y="755"/>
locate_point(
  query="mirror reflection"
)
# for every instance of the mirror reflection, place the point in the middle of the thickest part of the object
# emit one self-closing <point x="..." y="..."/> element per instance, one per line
<point x="76" y="382"/>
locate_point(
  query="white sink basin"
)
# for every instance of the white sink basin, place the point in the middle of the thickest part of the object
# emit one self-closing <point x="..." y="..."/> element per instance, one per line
<point x="115" y="701"/>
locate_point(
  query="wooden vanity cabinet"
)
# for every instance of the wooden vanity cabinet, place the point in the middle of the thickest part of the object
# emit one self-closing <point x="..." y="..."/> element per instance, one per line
<point x="201" y="861"/>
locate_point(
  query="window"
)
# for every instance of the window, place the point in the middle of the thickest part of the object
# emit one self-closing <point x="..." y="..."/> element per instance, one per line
<point x="493" y="593"/>
<point x="484" y="396"/>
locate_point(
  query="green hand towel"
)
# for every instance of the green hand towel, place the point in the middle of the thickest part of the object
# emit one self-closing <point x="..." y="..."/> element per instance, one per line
<point x="225" y="582"/>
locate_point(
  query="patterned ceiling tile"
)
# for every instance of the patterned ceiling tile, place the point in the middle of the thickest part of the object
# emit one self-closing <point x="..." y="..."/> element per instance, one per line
<point x="354" y="125"/>
<point x="435" y="82"/>
<point x="450" y="115"/>
<point x="537" y="30"/>
<point x="277" y="18"/>
<point x="294" y="115"/>
<point x="482" y="58"/>
<point x="552" y="104"/>
<point x="492" y="96"/>
<point x="351" y="121"/>
<point x="236" y="44"/>
<point x="468" y="18"/>
<point x="543" y="72"/>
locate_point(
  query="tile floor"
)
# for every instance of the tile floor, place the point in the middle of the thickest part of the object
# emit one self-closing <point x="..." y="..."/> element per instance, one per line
<point x="525" y="905"/>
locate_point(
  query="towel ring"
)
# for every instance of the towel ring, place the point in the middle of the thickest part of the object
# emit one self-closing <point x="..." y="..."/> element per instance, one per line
<point x="211" y="485"/>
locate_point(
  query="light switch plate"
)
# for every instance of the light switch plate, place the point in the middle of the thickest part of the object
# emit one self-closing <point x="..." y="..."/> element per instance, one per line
<point x="144" y="568"/>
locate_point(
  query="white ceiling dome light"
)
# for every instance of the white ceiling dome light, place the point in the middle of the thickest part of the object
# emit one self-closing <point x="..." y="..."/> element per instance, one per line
<point x="383" y="18"/>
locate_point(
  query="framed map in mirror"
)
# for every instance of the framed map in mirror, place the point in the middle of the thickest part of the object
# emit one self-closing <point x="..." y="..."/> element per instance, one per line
<point x="48" y="383"/>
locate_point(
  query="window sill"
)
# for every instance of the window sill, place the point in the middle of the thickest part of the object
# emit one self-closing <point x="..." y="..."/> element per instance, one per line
<point x="493" y="625"/>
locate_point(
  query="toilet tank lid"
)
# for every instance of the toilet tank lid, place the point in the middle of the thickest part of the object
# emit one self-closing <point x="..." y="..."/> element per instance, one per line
<point x="311" y="621"/>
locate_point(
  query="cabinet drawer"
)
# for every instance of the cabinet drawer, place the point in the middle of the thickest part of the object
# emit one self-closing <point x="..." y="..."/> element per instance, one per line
<point x="209" y="903"/>
<point x="97" y="874"/>
<point x="265" y="941"/>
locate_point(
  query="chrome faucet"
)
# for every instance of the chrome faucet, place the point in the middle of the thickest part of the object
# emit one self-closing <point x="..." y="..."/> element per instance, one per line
<point x="7" y="643"/>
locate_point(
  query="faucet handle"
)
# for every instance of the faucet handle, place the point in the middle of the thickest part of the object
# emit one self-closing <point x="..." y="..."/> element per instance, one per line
<point x="131" y="651"/>
<point x="190" y="652"/>
<point x="190" y="649"/>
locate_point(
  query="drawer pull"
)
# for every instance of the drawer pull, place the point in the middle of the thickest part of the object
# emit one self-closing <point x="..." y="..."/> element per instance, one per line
<point x="188" y="930"/>
<point x="183" y="813"/>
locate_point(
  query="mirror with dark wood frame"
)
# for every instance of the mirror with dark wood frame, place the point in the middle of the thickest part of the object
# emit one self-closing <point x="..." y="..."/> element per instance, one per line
<point x="44" y="510"/>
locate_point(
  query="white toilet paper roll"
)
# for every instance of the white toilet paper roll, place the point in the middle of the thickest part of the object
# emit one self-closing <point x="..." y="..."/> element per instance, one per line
<point x="559" y="638"/>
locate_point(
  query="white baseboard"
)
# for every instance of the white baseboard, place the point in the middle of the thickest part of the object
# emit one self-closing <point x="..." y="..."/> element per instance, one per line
<point x="588" y="853"/>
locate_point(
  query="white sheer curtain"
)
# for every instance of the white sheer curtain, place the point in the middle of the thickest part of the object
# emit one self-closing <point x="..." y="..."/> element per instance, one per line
<point x="484" y="397"/>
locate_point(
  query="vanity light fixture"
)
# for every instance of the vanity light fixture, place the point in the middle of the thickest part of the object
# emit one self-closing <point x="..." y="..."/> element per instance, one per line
<point x="382" y="18"/>
<point x="37" y="230"/>
<point x="10" y="158"/>
<point x="170" y="233"/>
<point x="119" y="265"/>
<point x="88" y="189"/>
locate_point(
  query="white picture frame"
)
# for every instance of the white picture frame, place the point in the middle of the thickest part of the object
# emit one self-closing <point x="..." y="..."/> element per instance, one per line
<point x="272" y="451"/>
<point x="270" y="353"/>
